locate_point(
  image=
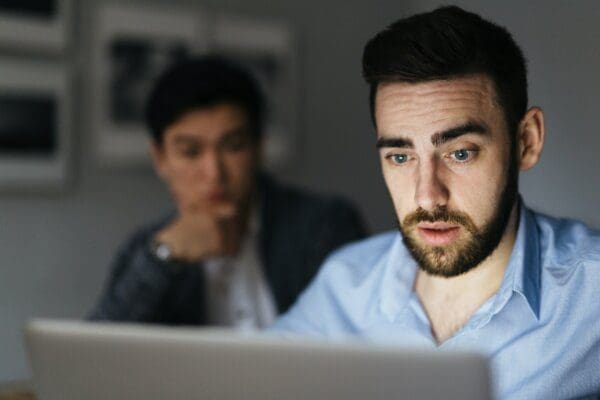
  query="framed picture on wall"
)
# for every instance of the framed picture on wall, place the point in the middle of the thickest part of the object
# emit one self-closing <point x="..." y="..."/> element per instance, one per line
<point x="131" y="46"/>
<point x="267" y="48"/>
<point x="40" y="26"/>
<point x="34" y="124"/>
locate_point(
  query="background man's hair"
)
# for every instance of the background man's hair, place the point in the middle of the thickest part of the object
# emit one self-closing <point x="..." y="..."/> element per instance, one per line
<point x="446" y="43"/>
<point x="198" y="83"/>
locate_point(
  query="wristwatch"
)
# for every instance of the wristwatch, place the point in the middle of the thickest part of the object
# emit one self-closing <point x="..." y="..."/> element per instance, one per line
<point x="161" y="251"/>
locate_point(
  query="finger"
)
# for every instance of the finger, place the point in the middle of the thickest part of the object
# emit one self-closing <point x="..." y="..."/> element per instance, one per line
<point x="225" y="210"/>
<point x="220" y="210"/>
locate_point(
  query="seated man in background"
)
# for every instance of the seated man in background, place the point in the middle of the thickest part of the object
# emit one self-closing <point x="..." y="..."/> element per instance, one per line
<point x="240" y="247"/>
<point x="472" y="267"/>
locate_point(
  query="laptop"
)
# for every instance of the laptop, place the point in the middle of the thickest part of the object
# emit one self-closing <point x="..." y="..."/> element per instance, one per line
<point x="83" y="360"/>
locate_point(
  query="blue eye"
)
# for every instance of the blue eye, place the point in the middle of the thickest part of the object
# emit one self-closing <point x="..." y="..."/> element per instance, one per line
<point x="399" y="158"/>
<point x="461" y="155"/>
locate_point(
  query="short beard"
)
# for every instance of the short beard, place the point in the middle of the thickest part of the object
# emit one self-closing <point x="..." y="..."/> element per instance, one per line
<point x="459" y="258"/>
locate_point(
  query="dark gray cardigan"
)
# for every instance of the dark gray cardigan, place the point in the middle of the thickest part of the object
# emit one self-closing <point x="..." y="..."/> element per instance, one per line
<point x="298" y="230"/>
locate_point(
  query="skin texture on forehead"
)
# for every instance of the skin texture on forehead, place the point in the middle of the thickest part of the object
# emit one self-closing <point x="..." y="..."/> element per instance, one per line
<point x="215" y="121"/>
<point x="434" y="103"/>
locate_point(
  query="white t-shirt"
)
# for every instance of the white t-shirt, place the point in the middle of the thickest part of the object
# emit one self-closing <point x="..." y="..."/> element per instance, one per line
<point x="238" y="294"/>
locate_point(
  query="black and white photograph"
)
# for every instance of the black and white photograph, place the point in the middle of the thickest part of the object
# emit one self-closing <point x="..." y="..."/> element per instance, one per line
<point x="28" y="124"/>
<point x="266" y="47"/>
<point x="34" y="124"/>
<point x="38" y="26"/>
<point x="131" y="45"/>
<point x="135" y="64"/>
<point x="30" y="8"/>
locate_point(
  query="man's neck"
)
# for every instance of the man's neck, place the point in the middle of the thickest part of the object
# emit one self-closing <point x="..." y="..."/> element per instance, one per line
<point x="450" y="302"/>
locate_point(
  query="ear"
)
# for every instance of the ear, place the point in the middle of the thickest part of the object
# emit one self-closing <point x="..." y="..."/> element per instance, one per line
<point x="157" y="153"/>
<point x="530" y="138"/>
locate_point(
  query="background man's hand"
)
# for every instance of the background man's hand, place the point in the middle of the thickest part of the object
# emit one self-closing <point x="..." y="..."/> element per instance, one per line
<point x="200" y="233"/>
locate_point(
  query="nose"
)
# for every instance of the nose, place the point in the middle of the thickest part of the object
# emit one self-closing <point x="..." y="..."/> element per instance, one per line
<point x="431" y="190"/>
<point x="211" y="166"/>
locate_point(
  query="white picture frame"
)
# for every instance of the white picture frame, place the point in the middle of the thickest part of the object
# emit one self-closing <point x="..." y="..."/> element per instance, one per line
<point x="267" y="47"/>
<point x="126" y="37"/>
<point x="35" y="124"/>
<point x="26" y="31"/>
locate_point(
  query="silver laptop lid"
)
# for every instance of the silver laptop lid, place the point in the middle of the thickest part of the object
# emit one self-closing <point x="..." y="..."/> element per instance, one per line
<point x="82" y="360"/>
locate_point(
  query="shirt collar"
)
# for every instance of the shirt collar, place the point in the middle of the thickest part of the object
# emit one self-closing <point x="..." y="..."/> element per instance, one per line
<point x="399" y="271"/>
<point x="522" y="273"/>
<point x="523" y="270"/>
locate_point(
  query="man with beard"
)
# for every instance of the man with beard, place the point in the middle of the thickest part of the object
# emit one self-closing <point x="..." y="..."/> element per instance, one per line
<point x="472" y="268"/>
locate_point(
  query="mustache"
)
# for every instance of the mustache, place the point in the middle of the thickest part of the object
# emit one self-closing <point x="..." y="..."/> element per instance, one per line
<point x="439" y="214"/>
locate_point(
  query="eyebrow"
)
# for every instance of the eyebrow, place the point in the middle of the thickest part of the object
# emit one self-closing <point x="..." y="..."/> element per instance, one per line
<point x="394" y="142"/>
<point x="469" y="128"/>
<point x="183" y="139"/>
<point x="438" y="138"/>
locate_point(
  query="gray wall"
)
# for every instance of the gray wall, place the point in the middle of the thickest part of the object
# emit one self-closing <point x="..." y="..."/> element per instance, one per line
<point x="56" y="248"/>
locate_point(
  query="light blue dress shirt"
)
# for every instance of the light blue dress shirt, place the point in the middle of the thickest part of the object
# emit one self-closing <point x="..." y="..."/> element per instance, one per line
<point x="540" y="331"/>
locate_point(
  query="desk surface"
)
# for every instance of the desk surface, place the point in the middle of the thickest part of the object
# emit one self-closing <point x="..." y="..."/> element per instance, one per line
<point x="16" y="395"/>
<point x="16" y="391"/>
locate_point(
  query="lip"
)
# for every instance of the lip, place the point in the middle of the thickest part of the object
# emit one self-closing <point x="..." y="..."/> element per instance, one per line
<point x="438" y="233"/>
<point x="216" y="196"/>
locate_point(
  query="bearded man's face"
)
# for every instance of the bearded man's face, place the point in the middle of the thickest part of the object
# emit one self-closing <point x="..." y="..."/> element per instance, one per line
<point x="449" y="165"/>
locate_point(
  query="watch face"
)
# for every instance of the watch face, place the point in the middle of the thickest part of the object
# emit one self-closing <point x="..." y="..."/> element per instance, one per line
<point x="162" y="252"/>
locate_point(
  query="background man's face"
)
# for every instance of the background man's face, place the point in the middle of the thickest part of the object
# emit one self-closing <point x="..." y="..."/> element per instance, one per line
<point x="209" y="158"/>
<point x="447" y="162"/>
